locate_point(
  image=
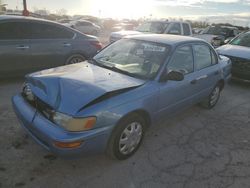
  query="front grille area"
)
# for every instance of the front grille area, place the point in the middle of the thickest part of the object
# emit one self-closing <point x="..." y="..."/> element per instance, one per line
<point x="240" y="68"/>
<point x="40" y="106"/>
<point x="240" y="63"/>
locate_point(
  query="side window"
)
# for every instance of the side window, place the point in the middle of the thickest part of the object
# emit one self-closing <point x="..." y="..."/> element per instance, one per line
<point x="182" y="60"/>
<point x="14" y="31"/>
<point x="175" y="29"/>
<point x="186" y="29"/>
<point x="47" y="31"/>
<point x="84" y="23"/>
<point x="202" y="54"/>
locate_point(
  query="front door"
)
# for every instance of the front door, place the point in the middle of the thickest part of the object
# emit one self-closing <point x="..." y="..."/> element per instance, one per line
<point x="176" y="95"/>
<point x="14" y="49"/>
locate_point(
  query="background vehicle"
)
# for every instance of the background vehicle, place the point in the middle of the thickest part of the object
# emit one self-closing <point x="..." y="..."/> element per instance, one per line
<point x="133" y="83"/>
<point x="158" y="27"/>
<point x="238" y="50"/>
<point x="123" y="26"/>
<point x="216" y="35"/>
<point x="29" y="44"/>
<point x="85" y="26"/>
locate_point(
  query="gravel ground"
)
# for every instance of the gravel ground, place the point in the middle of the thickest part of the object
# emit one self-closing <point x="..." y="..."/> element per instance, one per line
<point x="196" y="149"/>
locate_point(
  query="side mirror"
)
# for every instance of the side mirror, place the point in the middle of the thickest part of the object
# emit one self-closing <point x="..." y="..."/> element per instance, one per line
<point x="172" y="75"/>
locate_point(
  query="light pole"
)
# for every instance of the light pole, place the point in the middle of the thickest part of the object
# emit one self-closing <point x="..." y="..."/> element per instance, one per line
<point x="25" y="10"/>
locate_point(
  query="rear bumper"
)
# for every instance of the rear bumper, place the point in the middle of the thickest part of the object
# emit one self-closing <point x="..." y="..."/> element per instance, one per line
<point x="45" y="133"/>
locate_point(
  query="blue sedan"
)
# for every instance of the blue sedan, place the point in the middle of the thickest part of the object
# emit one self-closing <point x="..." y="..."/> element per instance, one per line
<point x="107" y="103"/>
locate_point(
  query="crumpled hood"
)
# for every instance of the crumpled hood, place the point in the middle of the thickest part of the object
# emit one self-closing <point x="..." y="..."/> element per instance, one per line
<point x="69" y="88"/>
<point x="120" y="34"/>
<point x="235" y="51"/>
<point x="206" y="37"/>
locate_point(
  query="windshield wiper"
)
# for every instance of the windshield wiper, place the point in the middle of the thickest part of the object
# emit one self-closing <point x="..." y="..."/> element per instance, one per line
<point x="114" y="68"/>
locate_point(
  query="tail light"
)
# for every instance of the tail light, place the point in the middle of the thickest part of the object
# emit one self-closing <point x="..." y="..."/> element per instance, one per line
<point x="96" y="44"/>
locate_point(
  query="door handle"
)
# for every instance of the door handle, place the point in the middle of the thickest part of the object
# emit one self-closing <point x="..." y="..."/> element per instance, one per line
<point x="22" y="47"/>
<point x="199" y="78"/>
<point x="66" y="44"/>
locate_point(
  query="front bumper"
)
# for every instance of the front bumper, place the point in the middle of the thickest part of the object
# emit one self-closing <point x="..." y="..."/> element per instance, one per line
<point x="47" y="133"/>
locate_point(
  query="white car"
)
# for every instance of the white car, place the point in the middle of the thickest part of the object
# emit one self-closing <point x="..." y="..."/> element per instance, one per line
<point x="158" y="27"/>
<point x="85" y="26"/>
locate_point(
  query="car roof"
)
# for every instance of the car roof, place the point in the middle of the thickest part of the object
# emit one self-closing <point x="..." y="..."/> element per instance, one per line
<point x="16" y="17"/>
<point x="172" y="40"/>
<point x="167" y="21"/>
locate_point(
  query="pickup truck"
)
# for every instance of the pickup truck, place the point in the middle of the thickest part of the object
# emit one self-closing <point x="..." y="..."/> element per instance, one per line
<point x="157" y="27"/>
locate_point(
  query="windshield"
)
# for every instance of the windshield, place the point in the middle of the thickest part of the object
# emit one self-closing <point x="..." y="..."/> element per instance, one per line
<point x="242" y="40"/>
<point x="218" y="31"/>
<point x="153" y="27"/>
<point x="141" y="59"/>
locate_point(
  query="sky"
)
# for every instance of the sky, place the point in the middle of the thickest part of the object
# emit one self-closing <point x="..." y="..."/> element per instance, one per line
<point x="231" y="11"/>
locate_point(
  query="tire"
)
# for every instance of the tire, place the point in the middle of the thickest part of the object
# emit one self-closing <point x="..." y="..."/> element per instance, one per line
<point x="213" y="98"/>
<point x="131" y="129"/>
<point x="75" y="59"/>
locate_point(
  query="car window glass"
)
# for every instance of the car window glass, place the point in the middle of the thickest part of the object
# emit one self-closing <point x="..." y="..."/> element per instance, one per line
<point x="242" y="40"/>
<point x="202" y="56"/>
<point x="14" y="30"/>
<point x="47" y="31"/>
<point x="186" y="29"/>
<point x="140" y="58"/>
<point x="175" y="29"/>
<point x="182" y="60"/>
<point x="153" y="27"/>
<point x="84" y="24"/>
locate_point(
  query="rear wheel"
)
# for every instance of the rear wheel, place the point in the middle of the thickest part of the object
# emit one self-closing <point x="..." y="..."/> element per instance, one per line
<point x="213" y="98"/>
<point x="75" y="59"/>
<point x="127" y="137"/>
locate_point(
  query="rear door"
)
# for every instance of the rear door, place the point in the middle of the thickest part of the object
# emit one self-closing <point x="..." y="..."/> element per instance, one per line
<point x="14" y="48"/>
<point x="207" y="70"/>
<point x="50" y="45"/>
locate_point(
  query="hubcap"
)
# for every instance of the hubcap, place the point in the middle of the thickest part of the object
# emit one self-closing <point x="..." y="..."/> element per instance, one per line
<point x="130" y="138"/>
<point x="215" y="95"/>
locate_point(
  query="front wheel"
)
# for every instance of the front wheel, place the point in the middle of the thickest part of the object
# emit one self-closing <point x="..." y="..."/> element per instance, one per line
<point x="77" y="58"/>
<point x="126" y="138"/>
<point x="213" y="98"/>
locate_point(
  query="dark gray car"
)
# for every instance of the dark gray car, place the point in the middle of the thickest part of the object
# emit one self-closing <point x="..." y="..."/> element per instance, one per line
<point x="30" y="44"/>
